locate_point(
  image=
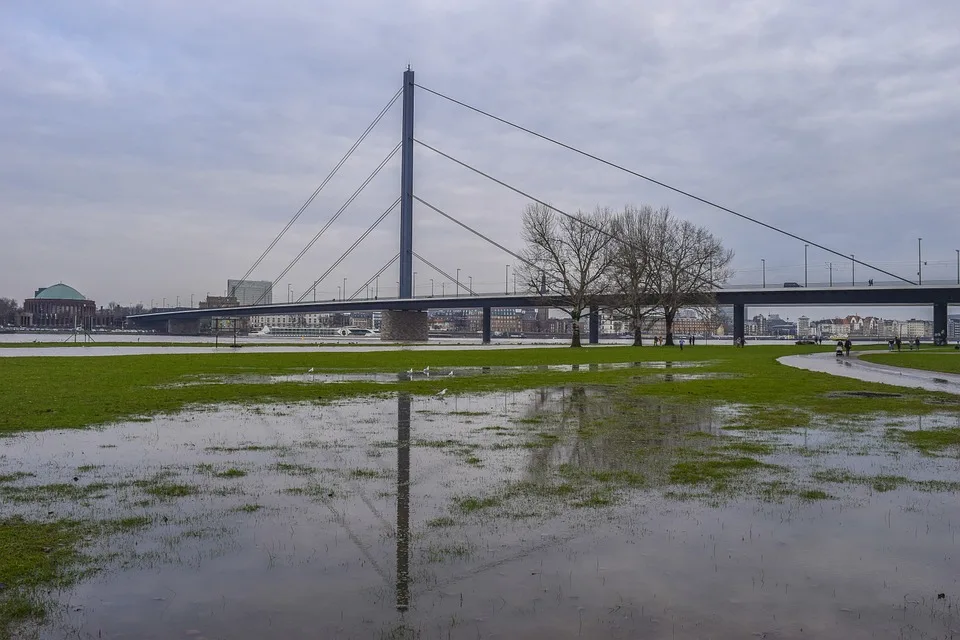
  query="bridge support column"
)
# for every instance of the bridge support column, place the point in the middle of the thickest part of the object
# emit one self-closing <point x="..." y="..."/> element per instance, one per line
<point x="406" y="190"/>
<point x="594" y="325"/>
<point x="486" y="325"/>
<point x="739" y="312"/>
<point x="183" y="327"/>
<point x="940" y="323"/>
<point x="404" y="326"/>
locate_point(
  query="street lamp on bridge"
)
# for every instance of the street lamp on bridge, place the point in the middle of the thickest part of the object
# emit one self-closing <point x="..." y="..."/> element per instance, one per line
<point x="853" y="270"/>
<point x="431" y="287"/>
<point x="471" y="285"/>
<point x="763" y="268"/>
<point x="919" y="261"/>
<point x="805" y="264"/>
<point x="458" y="276"/>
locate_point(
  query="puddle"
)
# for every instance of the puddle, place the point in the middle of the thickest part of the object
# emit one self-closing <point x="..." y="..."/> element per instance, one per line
<point x="550" y="513"/>
<point x="318" y="377"/>
<point x="863" y="394"/>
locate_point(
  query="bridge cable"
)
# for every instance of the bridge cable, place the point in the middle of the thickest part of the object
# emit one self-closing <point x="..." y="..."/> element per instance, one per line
<point x="442" y="272"/>
<point x="375" y="276"/>
<point x="333" y="219"/>
<point x="326" y="180"/>
<point x="659" y="183"/>
<point x="475" y="232"/>
<point x="697" y="277"/>
<point x="356" y="243"/>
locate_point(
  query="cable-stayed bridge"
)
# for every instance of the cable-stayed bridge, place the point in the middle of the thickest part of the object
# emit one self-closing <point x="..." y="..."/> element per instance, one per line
<point x="405" y="316"/>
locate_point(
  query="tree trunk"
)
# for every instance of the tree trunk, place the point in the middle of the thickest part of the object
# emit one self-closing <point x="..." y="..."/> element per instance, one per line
<point x="576" y="331"/>
<point x="637" y="337"/>
<point x="668" y="322"/>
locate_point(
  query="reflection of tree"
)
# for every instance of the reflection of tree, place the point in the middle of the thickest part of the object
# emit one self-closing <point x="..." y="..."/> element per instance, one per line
<point x="602" y="430"/>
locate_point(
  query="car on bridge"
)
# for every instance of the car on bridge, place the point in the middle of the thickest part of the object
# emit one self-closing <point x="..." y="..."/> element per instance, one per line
<point x="792" y="285"/>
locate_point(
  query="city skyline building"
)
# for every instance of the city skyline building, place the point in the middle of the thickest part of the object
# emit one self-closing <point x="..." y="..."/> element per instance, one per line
<point x="250" y="292"/>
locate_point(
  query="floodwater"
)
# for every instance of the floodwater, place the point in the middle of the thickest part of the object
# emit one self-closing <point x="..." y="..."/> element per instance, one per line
<point x="443" y="373"/>
<point x="854" y="367"/>
<point x="491" y="516"/>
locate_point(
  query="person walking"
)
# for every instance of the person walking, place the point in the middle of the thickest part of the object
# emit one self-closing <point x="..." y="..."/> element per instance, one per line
<point x="847" y="345"/>
<point x="681" y="344"/>
<point x="917" y="342"/>
<point x="898" y="342"/>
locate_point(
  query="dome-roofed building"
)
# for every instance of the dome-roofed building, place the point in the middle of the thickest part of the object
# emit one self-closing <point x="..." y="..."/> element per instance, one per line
<point x="58" y="306"/>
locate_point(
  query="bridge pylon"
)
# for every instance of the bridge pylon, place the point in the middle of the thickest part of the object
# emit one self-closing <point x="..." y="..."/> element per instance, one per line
<point x="406" y="189"/>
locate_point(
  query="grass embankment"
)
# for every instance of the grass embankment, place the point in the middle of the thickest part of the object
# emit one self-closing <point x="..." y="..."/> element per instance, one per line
<point x="44" y="393"/>
<point x="934" y="360"/>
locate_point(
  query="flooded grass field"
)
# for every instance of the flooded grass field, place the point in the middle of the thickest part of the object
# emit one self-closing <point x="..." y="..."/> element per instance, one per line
<point x="562" y="512"/>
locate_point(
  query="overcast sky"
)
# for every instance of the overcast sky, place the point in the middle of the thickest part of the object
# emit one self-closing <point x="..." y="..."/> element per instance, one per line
<point x="153" y="149"/>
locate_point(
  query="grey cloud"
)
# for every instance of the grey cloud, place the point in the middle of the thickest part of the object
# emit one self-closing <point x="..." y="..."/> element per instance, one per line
<point x="176" y="138"/>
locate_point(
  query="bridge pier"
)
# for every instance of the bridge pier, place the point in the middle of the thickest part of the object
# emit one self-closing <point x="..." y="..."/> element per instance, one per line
<point x="177" y="327"/>
<point x="486" y="325"/>
<point x="940" y="323"/>
<point x="739" y="313"/>
<point x="594" y="325"/>
<point x="405" y="326"/>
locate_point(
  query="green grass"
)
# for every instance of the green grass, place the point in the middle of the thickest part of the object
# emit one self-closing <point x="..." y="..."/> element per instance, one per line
<point x="928" y="441"/>
<point x="130" y="523"/>
<point x="33" y="556"/>
<point x="752" y="448"/>
<point x="13" y="477"/>
<point x="944" y="361"/>
<point x="716" y="470"/>
<point x="248" y="508"/>
<point x="470" y="504"/>
<point x="880" y="483"/>
<point x="442" y="553"/>
<point x="230" y="473"/>
<point x="294" y="469"/>
<point x="98" y="390"/>
<point x="367" y="473"/>
<point x="60" y="491"/>
<point x="442" y="521"/>
<point x="165" y="490"/>
<point x="814" y="494"/>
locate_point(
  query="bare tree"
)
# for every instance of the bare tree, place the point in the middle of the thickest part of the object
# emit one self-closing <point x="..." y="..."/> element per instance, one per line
<point x="688" y="266"/>
<point x="568" y="256"/>
<point x="8" y="310"/>
<point x="633" y="257"/>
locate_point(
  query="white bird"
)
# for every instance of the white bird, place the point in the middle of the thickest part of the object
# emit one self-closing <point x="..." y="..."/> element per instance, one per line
<point x="450" y="375"/>
<point x="442" y="392"/>
<point x="426" y="369"/>
<point x="310" y="370"/>
<point x="410" y="371"/>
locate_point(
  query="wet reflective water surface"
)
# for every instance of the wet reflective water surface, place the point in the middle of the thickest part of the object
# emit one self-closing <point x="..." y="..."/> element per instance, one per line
<point x="311" y="377"/>
<point x="559" y="513"/>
